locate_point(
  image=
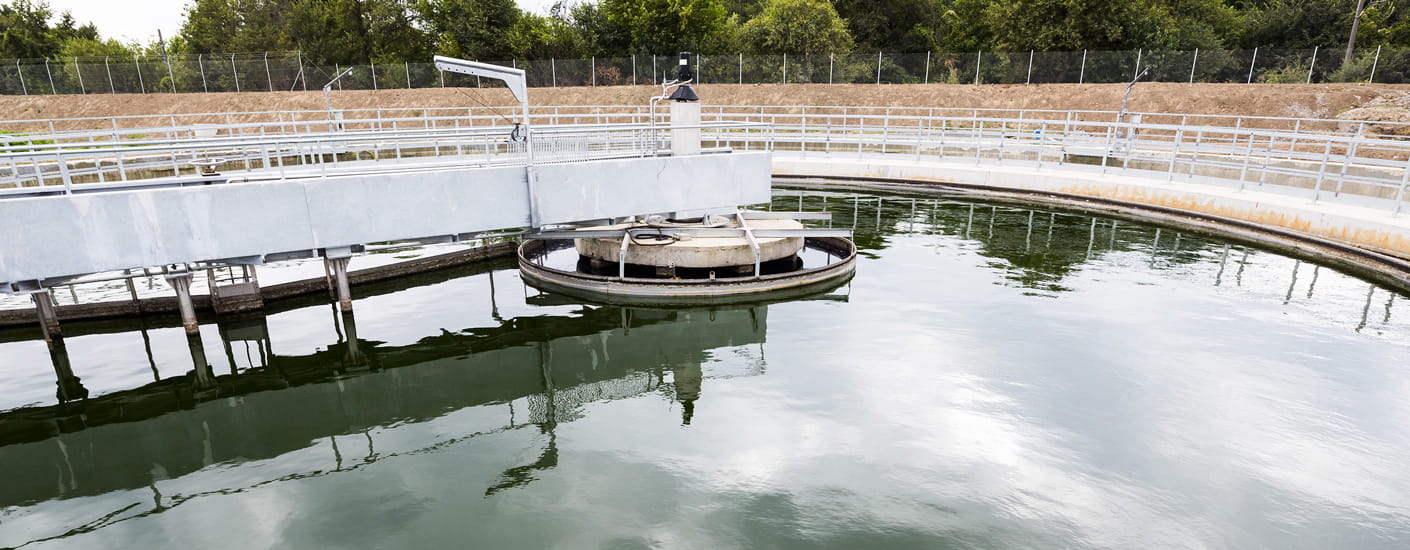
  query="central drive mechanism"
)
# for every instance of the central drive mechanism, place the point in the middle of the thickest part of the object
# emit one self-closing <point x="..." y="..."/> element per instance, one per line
<point x="710" y="259"/>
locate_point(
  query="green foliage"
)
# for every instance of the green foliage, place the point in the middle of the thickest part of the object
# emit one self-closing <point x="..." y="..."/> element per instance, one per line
<point x="472" y="29"/>
<point x="1295" y="73"/>
<point x="895" y="25"/>
<point x="90" y="47"/>
<point x="797" y="27"/>
<point x="326" y="31"/>
<point x="387" y="32"/>
<point x="26" y="30"/>
<point x="1057" y="25"/>
<point x="1358" y="70"/>
<point x="538" y="37"/>
<point x="664" y="27"/>
<point x="1297" y="23"/>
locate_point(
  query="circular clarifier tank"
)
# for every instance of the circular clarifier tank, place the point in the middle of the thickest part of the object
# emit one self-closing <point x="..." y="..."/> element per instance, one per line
<point x="670" y="262"/>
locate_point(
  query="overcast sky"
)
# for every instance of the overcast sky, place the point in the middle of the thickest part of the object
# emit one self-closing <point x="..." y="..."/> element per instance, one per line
<point x="139" y="20"/>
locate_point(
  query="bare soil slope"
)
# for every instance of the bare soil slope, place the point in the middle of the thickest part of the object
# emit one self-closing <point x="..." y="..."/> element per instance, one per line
<point x="1293" y="100"/>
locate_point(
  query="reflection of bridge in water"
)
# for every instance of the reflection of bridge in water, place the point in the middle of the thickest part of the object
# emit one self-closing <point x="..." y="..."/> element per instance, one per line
<point x="542" y="370"/>
<point x="181" y="424"/>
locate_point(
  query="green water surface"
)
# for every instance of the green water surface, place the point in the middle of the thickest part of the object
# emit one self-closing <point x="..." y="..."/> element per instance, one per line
<point x="993" y="377"/>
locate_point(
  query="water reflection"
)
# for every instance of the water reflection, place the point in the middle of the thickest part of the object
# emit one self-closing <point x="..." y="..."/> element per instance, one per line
<point x="554" y="363"/>
<point x="1038" y="250"/>
<point x="910" y="414"/>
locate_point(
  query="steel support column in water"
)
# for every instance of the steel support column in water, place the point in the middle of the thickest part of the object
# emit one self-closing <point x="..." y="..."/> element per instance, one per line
<point x="181" y="283"/>
<point x="338" y="266"/>
<point x="48" y="318"/>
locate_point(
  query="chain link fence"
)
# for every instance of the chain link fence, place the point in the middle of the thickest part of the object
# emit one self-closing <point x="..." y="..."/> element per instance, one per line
<point x="287" y="71"/>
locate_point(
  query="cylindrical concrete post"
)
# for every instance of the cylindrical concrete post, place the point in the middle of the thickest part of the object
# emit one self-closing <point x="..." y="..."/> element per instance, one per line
<point x="181" y="283"/>
<point x="339" y="267"/>
<point x="48" y="318"/>
<point x="685" y="128"/>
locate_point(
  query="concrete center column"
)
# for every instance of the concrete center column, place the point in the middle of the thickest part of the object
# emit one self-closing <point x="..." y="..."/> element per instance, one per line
<point x="48" y="318"/>
<point x="685" y="128"/>
<point x="181" y="282"/>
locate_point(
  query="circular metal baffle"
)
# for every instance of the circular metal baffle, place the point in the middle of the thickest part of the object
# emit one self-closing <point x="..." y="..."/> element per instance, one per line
<point x="634" y="290"/>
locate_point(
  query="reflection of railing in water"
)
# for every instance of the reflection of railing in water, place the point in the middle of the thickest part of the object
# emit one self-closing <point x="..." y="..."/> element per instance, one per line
<point x="546" y="356"/>
<point x="1061" y="243"/>
<point x="1039" y="249"/>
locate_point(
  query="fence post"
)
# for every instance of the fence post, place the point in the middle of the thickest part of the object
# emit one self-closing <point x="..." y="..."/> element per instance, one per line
<point x="927" y="69"/>
<point x="269" y="77"/>
<point x="1250" y="65"/>
<point x="235" y="71"/>
<point x="1374" y="62"/>
<point x="201" y="64"/>
<point x="302" y="77"/>
<point x="785" y="69"/>
<point x="830" y="60"/>
<point x="407" y="65"/>
<point x="169" y="74"/>
<point x="741" y="68"/>
<point x="1135" y="74"/>
<point x="979" y="61"/>
<point x="553" y="70"/>
<point x="1194" y="61"/>
<point x="52" y="89"/>
<point x="1082" y="74"/>
<point x="20" y="70"/>
<point x="1313" y="64"/>
<point x="79" y="69"/>
<point x="699" y="70"/>
<point x="109" y="69"/>
<point x="654" y="73"/>
<point x="373" y="70"/>
<point x="633" y="69"/>
<point x="878" y="67"/>
<point x="1029" y="79"/>
<point x="140" y="81"/>
<point x="594" y="71"/>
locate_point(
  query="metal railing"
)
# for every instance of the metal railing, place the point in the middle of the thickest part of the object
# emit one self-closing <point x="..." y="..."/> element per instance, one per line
<point x="290" y="71"/>
<point x="1353" y="162"/>
<point x="202" y="154"/>
<point x="28" y="132"/>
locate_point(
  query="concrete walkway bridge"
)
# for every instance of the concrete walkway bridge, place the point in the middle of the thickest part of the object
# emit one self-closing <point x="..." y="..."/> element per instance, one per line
<point x="83" y="198"/>
<point x="203" y="198"/>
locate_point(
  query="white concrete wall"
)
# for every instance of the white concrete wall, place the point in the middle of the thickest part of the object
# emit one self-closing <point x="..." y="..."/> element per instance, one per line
<point x="47" y="237"/>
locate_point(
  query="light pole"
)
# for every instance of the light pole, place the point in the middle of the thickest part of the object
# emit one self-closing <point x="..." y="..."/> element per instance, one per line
<point x="1127" y="96"/>
<point x="328" y="98"/>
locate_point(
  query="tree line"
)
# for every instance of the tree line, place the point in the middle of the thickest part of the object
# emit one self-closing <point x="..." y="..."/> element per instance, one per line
<point x="380" y="31"/>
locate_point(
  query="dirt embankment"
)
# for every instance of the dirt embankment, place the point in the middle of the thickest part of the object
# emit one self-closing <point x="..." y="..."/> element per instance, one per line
<point x="1283" y="100"/>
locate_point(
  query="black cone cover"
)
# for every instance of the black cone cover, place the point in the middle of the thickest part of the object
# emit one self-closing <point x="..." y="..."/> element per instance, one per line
<point x="685" y="93"/>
